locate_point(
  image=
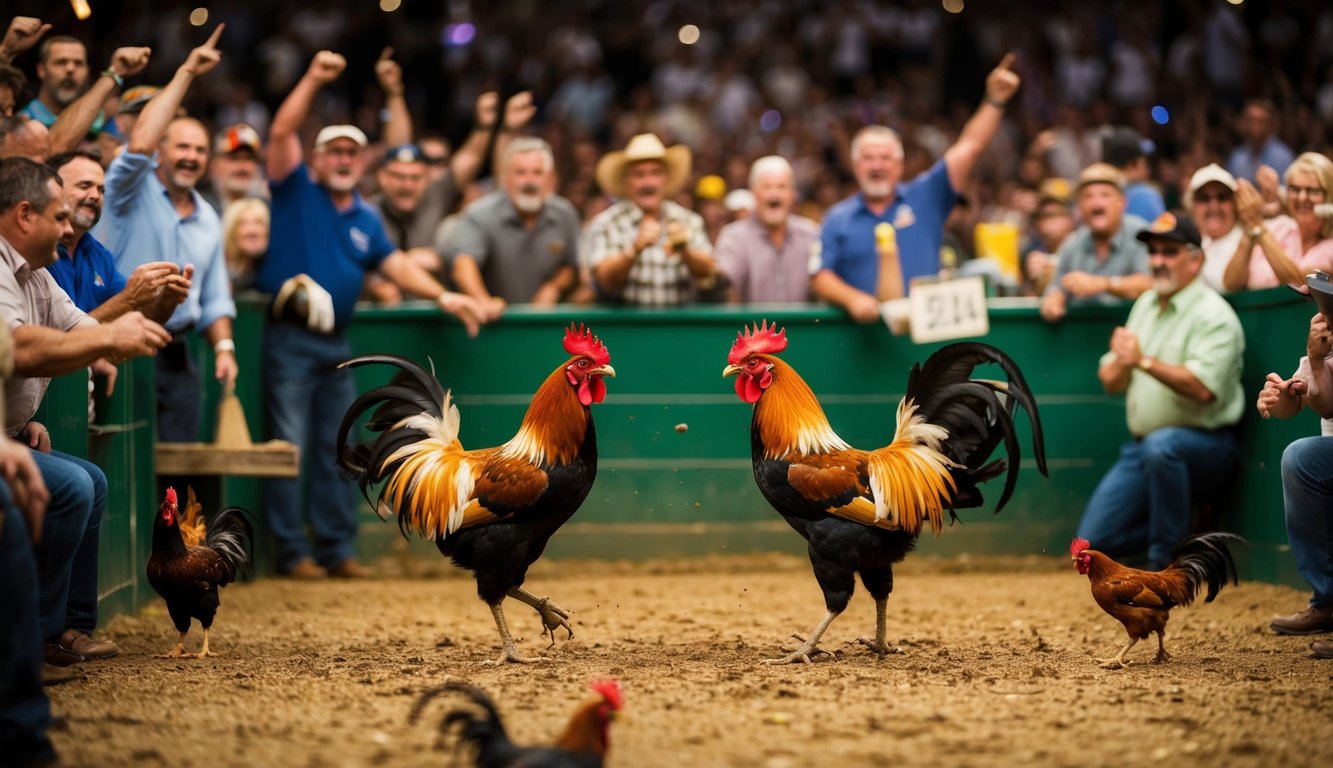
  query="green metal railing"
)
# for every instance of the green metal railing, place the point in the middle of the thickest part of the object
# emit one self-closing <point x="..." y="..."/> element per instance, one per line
<point x="665" y="491"/>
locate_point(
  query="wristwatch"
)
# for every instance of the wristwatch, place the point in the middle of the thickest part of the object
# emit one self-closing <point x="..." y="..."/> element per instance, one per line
<point x="1145" y="364"/>
<point x="1256" y="232"/>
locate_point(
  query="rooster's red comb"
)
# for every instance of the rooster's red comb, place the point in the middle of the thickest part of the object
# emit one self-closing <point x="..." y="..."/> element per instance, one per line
<point x="609" y="690"/>
<point x="171" y="495"/>
<point x="1077" y="546"/>
<point x="580" y="341"/>
<point x="757" y="339"/>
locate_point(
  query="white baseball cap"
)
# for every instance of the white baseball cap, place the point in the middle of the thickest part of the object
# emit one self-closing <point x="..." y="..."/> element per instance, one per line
<point x="1209" y="173"/>
<point x="333" y="132"/>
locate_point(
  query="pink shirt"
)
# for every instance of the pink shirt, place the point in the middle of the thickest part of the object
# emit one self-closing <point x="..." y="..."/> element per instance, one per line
<point x="1288" y="235"/>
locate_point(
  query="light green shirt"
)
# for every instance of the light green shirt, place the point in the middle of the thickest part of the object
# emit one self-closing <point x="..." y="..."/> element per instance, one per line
<point x="1200" y="331"/>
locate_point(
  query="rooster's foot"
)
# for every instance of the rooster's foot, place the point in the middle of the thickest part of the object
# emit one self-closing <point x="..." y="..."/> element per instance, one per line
<point x="1113" y="663"/>
<point x="553" y="617"/>
<point x="877" y="647"/>
<point x="805" y="653"/>
<point x="176" y="653"/>
<point x="511" y="657"/>
<point x="1162" y="657"/>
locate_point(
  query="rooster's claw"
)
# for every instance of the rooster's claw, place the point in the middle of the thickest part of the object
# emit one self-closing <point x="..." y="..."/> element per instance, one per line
<point x="553" y="617"/>
<point x="878" y="648"/>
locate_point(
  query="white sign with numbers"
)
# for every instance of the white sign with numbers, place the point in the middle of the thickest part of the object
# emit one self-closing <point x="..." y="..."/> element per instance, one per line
<point x="953" y="309"/>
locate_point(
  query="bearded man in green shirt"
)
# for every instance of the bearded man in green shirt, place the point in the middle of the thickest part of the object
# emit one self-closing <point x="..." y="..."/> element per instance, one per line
<point x="1178" y="361"/>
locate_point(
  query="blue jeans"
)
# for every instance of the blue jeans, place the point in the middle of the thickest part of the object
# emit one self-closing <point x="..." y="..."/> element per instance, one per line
<point x="1144" y="499"/>
<point x="67" y="556"/>
<point x="1307" y="497"/>
<point x="178" y="395"/>
<point x="25" y="712"/>
<point x="305" y="399"/>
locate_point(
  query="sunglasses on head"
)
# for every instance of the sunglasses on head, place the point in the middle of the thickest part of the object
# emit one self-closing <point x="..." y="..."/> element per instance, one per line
<point x="1220" y="197"/>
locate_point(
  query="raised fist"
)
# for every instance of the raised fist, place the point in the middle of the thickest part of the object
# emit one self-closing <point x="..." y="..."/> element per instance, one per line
<point x="326" y="66"/>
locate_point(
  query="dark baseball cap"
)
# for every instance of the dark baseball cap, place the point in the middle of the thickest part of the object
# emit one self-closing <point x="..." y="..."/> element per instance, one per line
<point x="404" y="153"/>
<point x="1122" y="146"/>
<point x="1169" y="226"/>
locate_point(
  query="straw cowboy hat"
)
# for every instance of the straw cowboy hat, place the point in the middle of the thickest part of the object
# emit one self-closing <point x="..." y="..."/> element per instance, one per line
<point x="645" y="146"/>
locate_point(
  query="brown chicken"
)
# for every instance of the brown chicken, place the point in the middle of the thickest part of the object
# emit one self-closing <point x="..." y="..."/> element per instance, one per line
<point x="193" y="528"/>
<point x="584" y="742"/>
<point x="1142" y="600"/>
<point x="188" y="577"/>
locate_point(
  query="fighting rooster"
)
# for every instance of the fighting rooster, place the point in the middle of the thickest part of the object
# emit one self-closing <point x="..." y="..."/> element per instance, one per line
<point x="188" y="577"/>
<point x="861" y="511"/>
<point x="490" y="510"/>
<point x="583" y="744"/>
<point x="1142" y="600"/>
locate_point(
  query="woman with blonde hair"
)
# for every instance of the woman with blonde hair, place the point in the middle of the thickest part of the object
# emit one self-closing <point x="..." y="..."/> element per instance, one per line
<point x="1287" y="248"/>
<point x="245" y="227"/>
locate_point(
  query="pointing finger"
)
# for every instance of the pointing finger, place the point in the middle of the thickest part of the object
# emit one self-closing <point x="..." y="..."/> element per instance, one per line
<point x="387" y="53"/>
<point x="212" y="41"/>
<point x="1008" y="61"/>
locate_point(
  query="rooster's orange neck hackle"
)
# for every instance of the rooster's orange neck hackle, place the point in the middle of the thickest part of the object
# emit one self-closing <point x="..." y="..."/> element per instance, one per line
<point x="588" y="731"/>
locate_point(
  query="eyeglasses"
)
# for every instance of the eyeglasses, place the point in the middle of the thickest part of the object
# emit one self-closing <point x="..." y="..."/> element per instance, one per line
<point x="1167" y="251"/>
<point x="1217" y="198"/>
<point x="1314" y="193"/>
<point x="434" y="159"/>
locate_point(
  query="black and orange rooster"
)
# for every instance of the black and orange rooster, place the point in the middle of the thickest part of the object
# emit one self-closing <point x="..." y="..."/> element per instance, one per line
<point x="861" y="511"/>
<point x="490" y="510"/>
<point x="188" y="577"/>
<point x="583" y="744"/>
<point x="1142" y="600"/>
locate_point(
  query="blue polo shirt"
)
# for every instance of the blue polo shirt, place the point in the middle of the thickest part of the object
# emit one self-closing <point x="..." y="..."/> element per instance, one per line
<point x="90" y="276"/>
<point x="918" y="211"/>
<point x="335" y="248"/>
<point x="39" y="112"/>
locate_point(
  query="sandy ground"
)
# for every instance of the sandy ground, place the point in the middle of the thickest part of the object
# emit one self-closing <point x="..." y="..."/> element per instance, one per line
<point x="997" y="669"/>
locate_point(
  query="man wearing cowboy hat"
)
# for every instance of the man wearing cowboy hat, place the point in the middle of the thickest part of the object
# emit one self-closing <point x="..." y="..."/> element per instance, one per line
<point x="647" y="250"/>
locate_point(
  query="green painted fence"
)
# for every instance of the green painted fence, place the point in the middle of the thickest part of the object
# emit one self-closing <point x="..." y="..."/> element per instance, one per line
<point x="663" y="490"/>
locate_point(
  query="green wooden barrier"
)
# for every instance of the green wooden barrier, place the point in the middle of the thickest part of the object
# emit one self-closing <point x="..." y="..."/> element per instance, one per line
<point x="664" y="492"/>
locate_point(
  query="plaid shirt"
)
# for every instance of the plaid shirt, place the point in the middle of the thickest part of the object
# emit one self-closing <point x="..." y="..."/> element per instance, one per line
<point x="658" y="278"/>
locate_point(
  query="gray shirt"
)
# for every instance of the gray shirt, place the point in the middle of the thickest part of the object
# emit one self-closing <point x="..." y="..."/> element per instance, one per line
<point x="417" y="229"/>
<point x="30" y="297"/>
<point x="516" y="260"/>
<point x="758" y="270"/>
<point x="1127" y="256"/>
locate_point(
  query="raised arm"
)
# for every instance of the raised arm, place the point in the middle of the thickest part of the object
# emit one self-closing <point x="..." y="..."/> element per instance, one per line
<point x="1001" y="84"/>
<point x="284" y="139"/>
<point x="466" y="162"/>
<point x="76" y="119"/>
<point x="519" y="111"/>
<point x="398" y="126"/>
<point x="158" y="113"/>
<point x="23" y="33"/>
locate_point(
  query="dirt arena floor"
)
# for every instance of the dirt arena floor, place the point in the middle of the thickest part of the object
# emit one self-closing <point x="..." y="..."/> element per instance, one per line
<point x="996" y="670"/>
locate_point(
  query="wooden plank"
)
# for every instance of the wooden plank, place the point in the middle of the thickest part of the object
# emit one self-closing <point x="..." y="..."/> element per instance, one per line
<point x="276" y="458"/>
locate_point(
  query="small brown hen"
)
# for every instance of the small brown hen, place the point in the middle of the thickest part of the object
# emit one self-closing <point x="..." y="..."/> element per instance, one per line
<point x="1142" y="600"/>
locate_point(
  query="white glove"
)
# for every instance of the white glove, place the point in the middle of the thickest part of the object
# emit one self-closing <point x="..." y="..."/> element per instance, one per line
<point x="319" y="304"/>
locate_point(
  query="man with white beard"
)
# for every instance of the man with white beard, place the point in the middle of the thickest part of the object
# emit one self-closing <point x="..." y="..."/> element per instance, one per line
<point x="518" y="244"/>
<point x="767" y="256"/>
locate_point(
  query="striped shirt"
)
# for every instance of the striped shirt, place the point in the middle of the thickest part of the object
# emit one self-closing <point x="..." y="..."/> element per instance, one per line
<point x="658" y="278"/>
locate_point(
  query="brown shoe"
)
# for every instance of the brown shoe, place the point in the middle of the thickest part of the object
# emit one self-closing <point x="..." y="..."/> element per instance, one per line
<point x="351" y="569"/>
<point x="58" y="655"/>
<point x="83" y="644"/>
<point x="1322" y="649"/>
<point x="53" y="675"/>
<point x="305" y="569"/>
<point x="1312" y="620"/>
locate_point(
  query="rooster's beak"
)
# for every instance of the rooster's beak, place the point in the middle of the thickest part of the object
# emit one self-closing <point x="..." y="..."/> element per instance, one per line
<point x="605" y="370"/>
<point x="731" y="370"/>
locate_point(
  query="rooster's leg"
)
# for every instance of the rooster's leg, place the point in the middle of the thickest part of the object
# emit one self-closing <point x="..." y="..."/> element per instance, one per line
<point x="204" y="652"/>
<point x="553" y="616"/>
<point x="1162" y="655"/>
<point x="879" y="645"/>
<point x="809" y="647"/>
<point x="176" y="652"/>
<point x="510" y="653"/>
<point x="1118" y="661"/>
